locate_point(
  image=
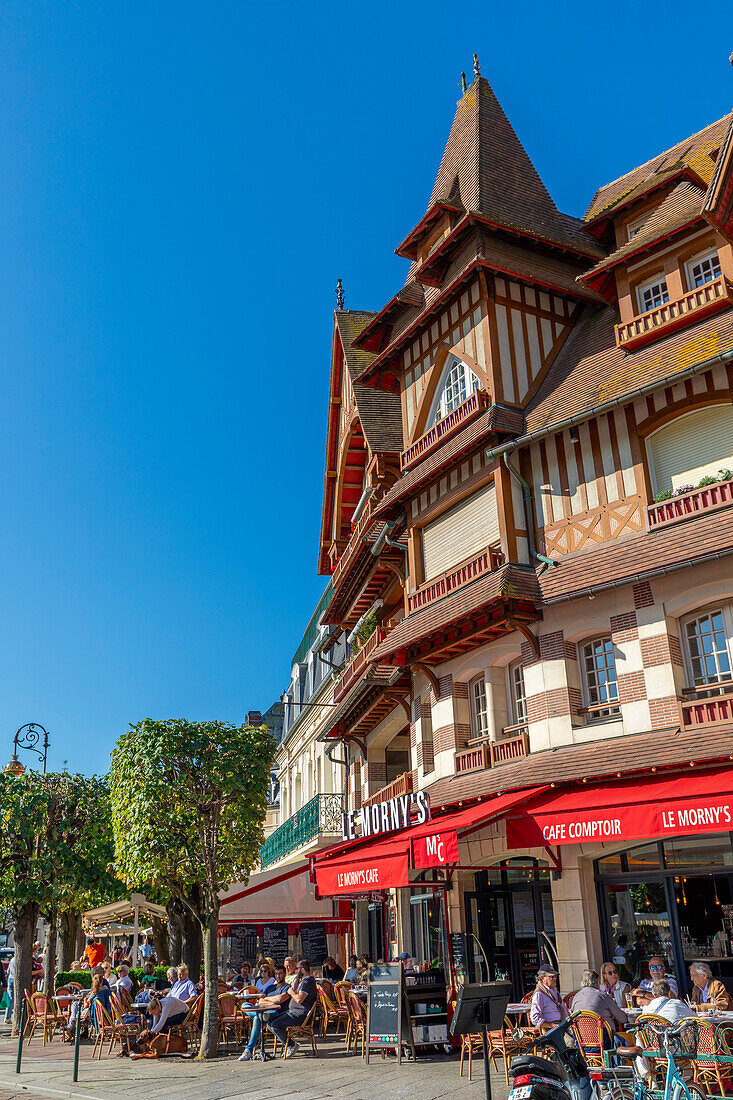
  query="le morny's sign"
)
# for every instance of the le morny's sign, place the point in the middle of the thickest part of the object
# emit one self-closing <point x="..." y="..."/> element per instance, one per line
<point x="386" y="817"/>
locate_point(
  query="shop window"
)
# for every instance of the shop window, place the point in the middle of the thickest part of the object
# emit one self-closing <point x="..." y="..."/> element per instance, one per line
<point x="707" y="851"/>
<point x="517" y="694"/>
<point x="644" y="858"/>
<point x="706" y="648"/>
<point x="703" y="269"/>
<point x="696" y="445"/>
<point x="611" y="865"/>
<point x="479" y="708"/>
<point x="600" y="684"/>
<point x="426" y="927"/>
<point x="652" y="293"/>
<point x="457" y="384"/>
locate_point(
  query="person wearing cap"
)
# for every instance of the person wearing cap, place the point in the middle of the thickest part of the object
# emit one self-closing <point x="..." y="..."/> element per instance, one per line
<point x="547" y="1008"/>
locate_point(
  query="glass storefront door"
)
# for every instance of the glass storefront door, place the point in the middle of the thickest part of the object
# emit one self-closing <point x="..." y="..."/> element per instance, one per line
<point x="510" y="914"/>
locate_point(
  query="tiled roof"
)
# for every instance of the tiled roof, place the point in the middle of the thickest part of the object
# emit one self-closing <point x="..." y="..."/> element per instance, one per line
<point x="511" y="582"/>
<point x="637" y="752"/>
<point x="694" y="152"/>
<point x="486" y="169"/>
<point x="621" y="560"/>
<point x="497" y="418"/>
<point x="591" y="371"/>
<point x="682" y="205"/>
<point x="380" y="412"/>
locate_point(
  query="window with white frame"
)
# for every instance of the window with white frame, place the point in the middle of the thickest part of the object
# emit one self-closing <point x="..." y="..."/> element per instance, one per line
<point x="600" y="683"/>
<point x="706" y="647"/>
<point x="703" y="269"/>
<point x="652" y="293"/>
<point x="479" y="708"/>
<point x="457" y="384"/>
<point x="633" y="227"/>
<point x="517" y="694"/>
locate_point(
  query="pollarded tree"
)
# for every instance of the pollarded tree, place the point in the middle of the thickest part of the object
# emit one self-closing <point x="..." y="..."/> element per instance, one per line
<point x="55" y="840"/>
<point x="189" y="802"/>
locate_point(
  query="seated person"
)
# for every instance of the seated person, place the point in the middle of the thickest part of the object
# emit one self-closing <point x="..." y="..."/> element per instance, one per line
<point x="547" y="1008"/>
<point x="664" y="1003"/>
<point x="124" y="981"/>
<point x="183" y="987"/>
<point x="149" y="980"/>
<point x="245" y="972"/>
<point x="99" y="992"/>
<point x="362" y="967"/>
<point x="276" y="998"/>
<point x="707" y="990"/>
<point x="642" y="994"/>
<point x="291" y="972"/>
<point x="352" y="974"/>
<point x="100" y="970"/>
<point x="266" y="981"/>
<point x="303" y="993"/>
<point x="167" y="1012"/>
<point x="589" y="998"/>
<point x="613" y="984"/>
<point x="331" y="970"/>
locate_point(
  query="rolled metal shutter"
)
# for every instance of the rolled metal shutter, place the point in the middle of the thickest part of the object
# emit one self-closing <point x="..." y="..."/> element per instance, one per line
<point x="460" y="532"/>
<point x="693" y="446"/>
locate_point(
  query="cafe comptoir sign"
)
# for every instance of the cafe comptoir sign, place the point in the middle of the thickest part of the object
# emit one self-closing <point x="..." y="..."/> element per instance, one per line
<point x="386" y="817"/>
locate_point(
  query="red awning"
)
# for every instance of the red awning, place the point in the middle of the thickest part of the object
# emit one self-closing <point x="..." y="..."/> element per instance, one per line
<point x="359" y="867"/>
<point x="691" y="802"/>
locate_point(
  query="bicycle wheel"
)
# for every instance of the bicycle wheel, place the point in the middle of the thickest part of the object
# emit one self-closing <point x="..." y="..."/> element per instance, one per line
<point x="688" y="1091"/>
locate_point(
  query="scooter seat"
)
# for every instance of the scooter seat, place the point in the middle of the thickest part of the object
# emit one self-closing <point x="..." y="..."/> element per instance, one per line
<point x="532" y="1063"/>
<point x="629" y="1052"/>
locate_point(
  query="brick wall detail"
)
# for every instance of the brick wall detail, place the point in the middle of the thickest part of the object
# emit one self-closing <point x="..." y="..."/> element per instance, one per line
<point x="631" y="687"/>
<point x="664" y="713"/>
<point x="643" y="594"/>
<point x="624" y="628"/>
<point x="662" y="649"/>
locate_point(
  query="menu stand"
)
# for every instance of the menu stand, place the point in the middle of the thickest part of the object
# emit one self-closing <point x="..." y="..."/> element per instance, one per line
<point x="483" y="1004"/>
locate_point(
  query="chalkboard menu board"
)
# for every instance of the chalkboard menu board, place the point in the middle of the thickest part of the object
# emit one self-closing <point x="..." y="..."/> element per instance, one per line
<point x="458" y="950"/>
<point x="275" y="942"/>
<point x="242" y="944"/>
<point x="385" y="1016"/>
<point x="313" y="943"/>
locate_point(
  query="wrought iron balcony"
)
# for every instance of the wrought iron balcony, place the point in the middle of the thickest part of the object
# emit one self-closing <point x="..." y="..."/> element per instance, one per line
<point x="460" y="416"/>
<point x="708" y="498"/>
<point x="320" y="816"/>
<point x="694" y="305"/>
<point x="482" y="753"/>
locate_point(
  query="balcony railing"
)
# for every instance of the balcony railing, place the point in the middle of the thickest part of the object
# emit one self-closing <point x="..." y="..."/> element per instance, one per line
<point x="351" y="549"/>
<point x="399" y="786"/>
<point x="322" y="815"/>
<point x="444" y="428"/>
<point x="695" y="304"/>
<point x="709" y="707"/>
<point x="709" y="498"/>
<point x="486" y="561"/>
<point x="489" y="754"/>
<point x="356" y="667"/>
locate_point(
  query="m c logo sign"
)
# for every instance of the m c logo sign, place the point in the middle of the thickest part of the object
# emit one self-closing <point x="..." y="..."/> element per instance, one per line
<point x="436" y="850"/>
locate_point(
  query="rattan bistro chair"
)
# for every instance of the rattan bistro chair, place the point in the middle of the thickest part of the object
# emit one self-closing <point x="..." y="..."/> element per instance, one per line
<point x="593" y="1035"/>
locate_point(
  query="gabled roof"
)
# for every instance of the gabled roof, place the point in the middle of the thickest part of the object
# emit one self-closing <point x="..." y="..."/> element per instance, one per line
<point x="692" y="154"/>
<point x="485" y="169"/>
<point x="718" y="207"/>
<point x="380" y="412"/>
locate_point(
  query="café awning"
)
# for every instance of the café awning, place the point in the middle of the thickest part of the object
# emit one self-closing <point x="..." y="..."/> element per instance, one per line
<point x="275" y="895"/>
<point x="364" y="866"/>
<point x="690" y="802"/>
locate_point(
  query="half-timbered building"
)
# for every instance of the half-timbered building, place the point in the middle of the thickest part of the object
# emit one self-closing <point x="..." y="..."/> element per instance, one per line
<point x="527" y="522"/>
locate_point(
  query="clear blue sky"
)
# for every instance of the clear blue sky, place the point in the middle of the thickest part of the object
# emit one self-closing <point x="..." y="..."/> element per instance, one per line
<point x="181" y="185"/>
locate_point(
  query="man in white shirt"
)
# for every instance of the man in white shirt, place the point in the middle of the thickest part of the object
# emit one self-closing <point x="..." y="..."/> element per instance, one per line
<point x="123" y="978"/>
<point x="167" y="1012"/>
<point x="184" y="988"/>
<point x="666" y="1005"/>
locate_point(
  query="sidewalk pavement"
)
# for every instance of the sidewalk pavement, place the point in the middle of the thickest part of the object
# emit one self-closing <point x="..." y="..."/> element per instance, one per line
<point x="47" y="1071"/>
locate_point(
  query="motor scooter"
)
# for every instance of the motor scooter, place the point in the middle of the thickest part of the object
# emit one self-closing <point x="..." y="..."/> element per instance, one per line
<point x="563" y="1074"/>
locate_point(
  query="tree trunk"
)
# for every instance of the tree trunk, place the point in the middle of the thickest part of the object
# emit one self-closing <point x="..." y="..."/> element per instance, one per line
<point x="160" y="940"/>
<point x="24" y="930"/>
<point x="49" y="953"/>
<point x="175" y="933"/>
<point x="69" y="927"/>
<point x="210" y="1025"/>
<point x="81" y="941"/>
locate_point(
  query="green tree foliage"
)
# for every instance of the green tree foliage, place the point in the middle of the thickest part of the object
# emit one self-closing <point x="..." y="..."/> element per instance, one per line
<point x="56" y="842"/>
<point x="189" y="802"/>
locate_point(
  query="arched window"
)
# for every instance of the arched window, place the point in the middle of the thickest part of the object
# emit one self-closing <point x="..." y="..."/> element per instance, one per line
<point x="695" y="445"/>
<point x="457" y="383"/>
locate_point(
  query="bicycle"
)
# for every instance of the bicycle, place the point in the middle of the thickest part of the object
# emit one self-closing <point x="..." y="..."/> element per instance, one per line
<point x="626" y="1082"/>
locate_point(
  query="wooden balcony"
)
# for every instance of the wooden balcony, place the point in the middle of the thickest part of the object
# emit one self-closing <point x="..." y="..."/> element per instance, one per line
<point x="486" y="561"/>
<point x="443" y="429"/>
<point x="357" y="666"/>
<point x="399" y="786"/>
<point x="707" y="499"/>
<point x="710" y="707"/>
<point x="351" y="549"/>
<point x="662" y="320"/>
<point x="483" y="754"/>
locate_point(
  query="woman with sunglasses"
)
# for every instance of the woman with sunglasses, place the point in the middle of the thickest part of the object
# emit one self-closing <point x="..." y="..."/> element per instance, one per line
<point x="643" y="993"/>
<point x="613" y="984"/>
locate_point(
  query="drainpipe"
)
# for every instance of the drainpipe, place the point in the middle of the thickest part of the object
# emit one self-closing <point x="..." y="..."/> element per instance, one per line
<point x="363" y="501"/>
<point x="384" y="539"/>
<point x="375" y="607"/>
<point x="527" y="506"/>
<point x="329" y="754"/>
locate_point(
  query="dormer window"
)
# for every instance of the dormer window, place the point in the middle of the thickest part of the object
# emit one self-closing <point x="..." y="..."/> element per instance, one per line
<point x="633" y="227"/>
<point x="653" y="293"/>
<point x="458" y="383"/>
<point x="703" y="269"/>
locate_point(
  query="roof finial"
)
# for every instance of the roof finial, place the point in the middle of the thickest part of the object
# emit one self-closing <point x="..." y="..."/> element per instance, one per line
<point x="464" y="86"/>
<point x="476" y="67"/>
<point x="340" y="300"/>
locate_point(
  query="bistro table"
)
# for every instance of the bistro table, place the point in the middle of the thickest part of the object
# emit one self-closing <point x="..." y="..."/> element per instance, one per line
<point x="261" y="1013"/>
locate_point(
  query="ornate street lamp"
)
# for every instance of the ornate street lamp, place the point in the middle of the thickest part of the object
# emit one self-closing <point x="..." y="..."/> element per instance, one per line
<point x="27" y="737"/>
